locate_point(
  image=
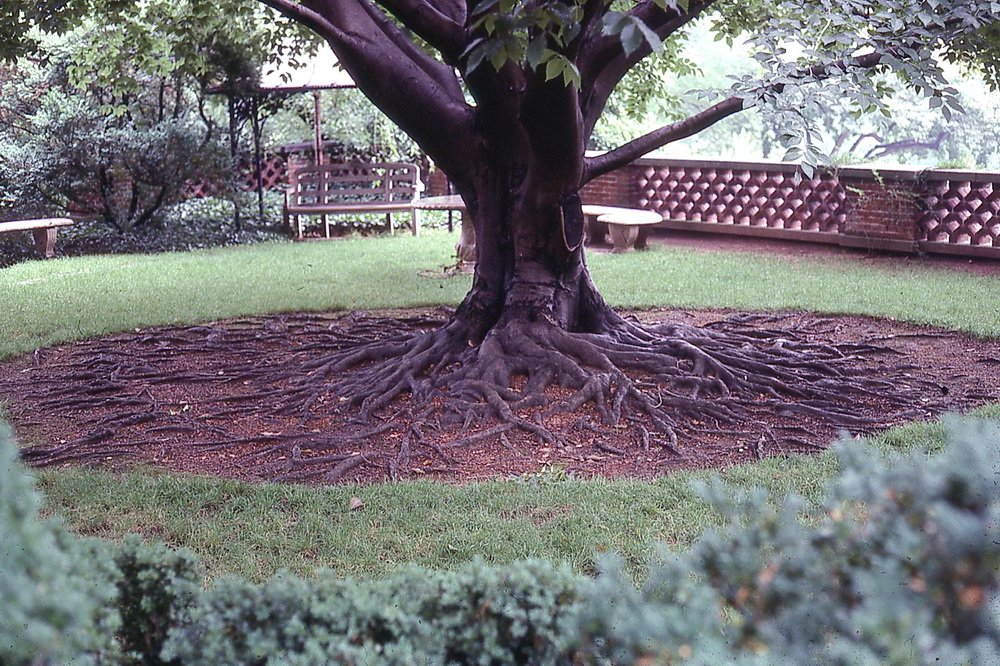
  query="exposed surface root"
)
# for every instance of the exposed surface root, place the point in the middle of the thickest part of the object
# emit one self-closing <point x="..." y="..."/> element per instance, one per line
<point x="681" y="378"/>
<point x="319" y="398"/>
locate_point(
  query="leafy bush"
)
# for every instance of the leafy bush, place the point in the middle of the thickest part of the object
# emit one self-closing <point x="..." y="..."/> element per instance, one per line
<point x="121" y="158"/>
<point x="155" y="584"/>
<point x="901" y="566"/>
<point x="55" y="589"/>
<point x="518" y="614"/>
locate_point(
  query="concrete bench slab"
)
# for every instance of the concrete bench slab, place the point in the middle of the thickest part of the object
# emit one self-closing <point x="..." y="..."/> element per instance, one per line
<point x="624" y="224"/>
<point x="44" y="231"/>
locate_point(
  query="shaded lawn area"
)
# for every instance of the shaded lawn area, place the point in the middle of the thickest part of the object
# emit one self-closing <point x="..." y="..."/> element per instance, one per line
<point x="45" y="303"/>
<point x="256" y="530"/>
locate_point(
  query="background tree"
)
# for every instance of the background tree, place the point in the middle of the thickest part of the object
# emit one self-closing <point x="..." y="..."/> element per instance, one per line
<point x="504" y="96"/>
<point x="122" y="155"/>
<point x="913" y="134"/>
<point x="127" y="125"/>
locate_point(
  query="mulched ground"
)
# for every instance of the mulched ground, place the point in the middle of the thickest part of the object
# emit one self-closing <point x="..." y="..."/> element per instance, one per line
<point x="190" y="399"/>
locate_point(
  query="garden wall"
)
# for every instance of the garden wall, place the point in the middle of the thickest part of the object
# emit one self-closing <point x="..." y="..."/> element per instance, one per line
<point x="947" y="211"/>
<point x="904" y="210"/>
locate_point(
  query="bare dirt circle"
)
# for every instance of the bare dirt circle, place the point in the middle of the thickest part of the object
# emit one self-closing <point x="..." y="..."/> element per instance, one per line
<point x="205" y="400"/>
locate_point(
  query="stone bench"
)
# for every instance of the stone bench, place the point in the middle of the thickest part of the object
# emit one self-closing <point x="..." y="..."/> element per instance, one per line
<point x="44" y="231"/>
<point x="628" y="226"/>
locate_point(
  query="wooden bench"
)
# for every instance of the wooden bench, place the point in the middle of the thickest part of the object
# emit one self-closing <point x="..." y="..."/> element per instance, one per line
<point x="352" y="187"/>
<point x="44" y="231"/>
<point x="628" y="226"/>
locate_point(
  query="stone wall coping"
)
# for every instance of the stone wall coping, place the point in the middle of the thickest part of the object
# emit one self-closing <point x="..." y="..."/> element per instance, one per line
<point x="876" y="172"/>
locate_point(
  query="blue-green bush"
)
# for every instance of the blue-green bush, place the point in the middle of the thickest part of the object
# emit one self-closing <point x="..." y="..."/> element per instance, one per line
<point x="55" y="590"/>
<point x="155" y="584"/>
<point x="517" y="614"/>
<point x="899" y="565"/>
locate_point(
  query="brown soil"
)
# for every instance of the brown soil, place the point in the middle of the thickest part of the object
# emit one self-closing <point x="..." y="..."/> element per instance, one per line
<point x="186" y="399"/>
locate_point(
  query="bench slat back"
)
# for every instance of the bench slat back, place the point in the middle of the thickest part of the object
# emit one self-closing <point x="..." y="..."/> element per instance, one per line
<point x="353" y="182"/>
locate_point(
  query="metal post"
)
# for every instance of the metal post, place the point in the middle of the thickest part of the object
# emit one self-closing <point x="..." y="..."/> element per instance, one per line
<point x="318" y="128"/>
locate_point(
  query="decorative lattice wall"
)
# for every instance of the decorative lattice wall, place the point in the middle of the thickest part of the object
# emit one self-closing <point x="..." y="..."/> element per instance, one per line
<point x="273" y="170"/>
<point x="273" y="173"/>
<point x="954" y="212"/>
<point x="760" y="197"/>
<point x="962" y="212"/>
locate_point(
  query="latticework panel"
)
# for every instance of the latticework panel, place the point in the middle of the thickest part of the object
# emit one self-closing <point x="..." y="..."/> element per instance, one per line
<point x="273" y="172"/>
<point x="740" y="196"/>
<point x="962" y="212"/>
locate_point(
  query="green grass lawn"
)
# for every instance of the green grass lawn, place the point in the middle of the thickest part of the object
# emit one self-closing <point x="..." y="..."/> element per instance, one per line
<point x="45" y="303"/>
<point x="256" y="530"/>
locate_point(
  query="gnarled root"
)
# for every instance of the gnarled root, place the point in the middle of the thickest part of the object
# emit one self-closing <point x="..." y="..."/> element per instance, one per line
<point x="274" y="393"/>
<point x="679" y="378"/>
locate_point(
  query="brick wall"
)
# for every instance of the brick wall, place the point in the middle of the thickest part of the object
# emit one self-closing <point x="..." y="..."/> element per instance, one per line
<point x="613" y="189"/>
<point x="948" y="211"/>
<point x="882" y="213"/>
<point x="945" y="211"/>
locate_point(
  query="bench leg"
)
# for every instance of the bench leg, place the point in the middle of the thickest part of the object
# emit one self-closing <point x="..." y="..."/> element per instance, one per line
<point x="389" y="224"/>
<point x="641" y="243"/>
<point x="466" y="248"/>
<point x="326" y="226"/>
<point x="45" y="241"/>
<point x="596" y="232"/>
<point x="623" y="236"/>
<point x="415" y="220"/>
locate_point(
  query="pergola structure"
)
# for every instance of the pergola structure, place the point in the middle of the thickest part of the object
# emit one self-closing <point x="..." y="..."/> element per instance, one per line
<point x="280" y="80"/>
<point x="319" y="73"/>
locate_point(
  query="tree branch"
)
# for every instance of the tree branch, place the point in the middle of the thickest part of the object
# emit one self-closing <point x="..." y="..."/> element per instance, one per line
<point x="443" y="74"/>
<point x="399" y="78"/>
<point x="633" y="150"/>
<point x="603" y="61"/>
<point x="593" y="10"/>
<point x="300" y="14"/>
<point x="441" y="28"/>
<point x="682" y="129"/>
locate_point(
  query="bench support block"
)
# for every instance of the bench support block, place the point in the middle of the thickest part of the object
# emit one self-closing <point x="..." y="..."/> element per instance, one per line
<point x="623" y="236"/>
<point x="45" y="241"/>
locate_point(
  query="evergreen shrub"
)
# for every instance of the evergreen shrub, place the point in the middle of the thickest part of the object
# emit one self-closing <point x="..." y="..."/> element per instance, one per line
<point x="899" y="565"/>
<point x="154" y="586"/>
<point x="55" y="590"/>
<point x="517" y="614"/>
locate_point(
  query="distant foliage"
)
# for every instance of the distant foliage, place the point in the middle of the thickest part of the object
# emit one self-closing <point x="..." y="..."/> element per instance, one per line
<point x="121" y="158"/>
<point x="353" y="129"/>
<point x="900" y="565"/>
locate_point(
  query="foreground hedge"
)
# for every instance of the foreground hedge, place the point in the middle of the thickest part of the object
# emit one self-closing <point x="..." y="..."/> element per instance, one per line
<point x="898" y="566"/>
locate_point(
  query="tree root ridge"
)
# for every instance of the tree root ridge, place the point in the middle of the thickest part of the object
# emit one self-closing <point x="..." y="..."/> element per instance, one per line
<point x="302" y="397"/>
<point x="677" y="378"/>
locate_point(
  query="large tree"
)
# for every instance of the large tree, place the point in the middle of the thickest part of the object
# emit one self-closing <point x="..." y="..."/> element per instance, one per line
<point x="503" y="96"/>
